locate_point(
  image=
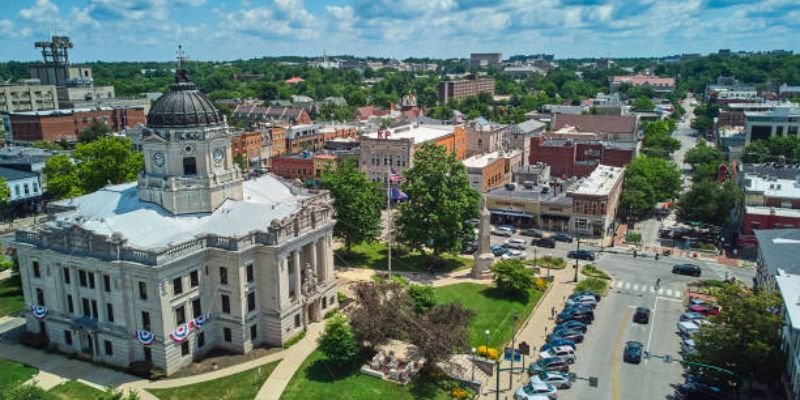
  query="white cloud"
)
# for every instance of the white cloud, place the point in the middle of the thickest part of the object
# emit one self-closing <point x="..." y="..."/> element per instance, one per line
<point x="43" y="13"/>
<point x="287" y="18"/>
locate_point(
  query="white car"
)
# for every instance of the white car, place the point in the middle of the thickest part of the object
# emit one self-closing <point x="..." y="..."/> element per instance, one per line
<point x="687" y="329"/>
<point x="558" y="379"/>
<point x="536" y="391"/>
<point x="501" y="231"/>
<point x="586" y="300"/>
<point x="515" y="243"/>
<point x="514" y="255"/>
<point x="565" y="353"/>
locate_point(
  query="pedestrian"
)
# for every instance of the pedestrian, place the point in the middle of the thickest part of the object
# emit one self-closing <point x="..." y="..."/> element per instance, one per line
<point x="553" y="312"/>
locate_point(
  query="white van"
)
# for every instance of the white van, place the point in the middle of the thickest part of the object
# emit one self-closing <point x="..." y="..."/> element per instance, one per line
<point x="687" y="328"/>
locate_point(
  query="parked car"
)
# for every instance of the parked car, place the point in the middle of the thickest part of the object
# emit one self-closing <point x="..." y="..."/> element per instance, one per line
<point x="693" y="301"/>
<point x="585" y="293"/>
<point x="512" y="228"/>
<point x="642" y="315"/>
<point x="498" y="250"/>
<point x="691" y="316"/>
<point x="548" y="364"/>
<point x="633" y="352"/>
<point x="565" y="353"/>
<point x="470" y="247"/>
<point x="533" y="233"/>
<point x="692" y="391"/>
<point x="576" y="314"/>
<point x="501" y="231"/>
<point x="586" y="300"/>
<point x="686" y="269"/>
<point x="544" y="242"/>
<point x="574" y="336"/>
<point x="581" y="255"/>
<point x="558" y="342"/>
<point x="515" y="243"/>
<point x="514" y="255"/>
<point x="562" y="237"/>
<point x="687" y="346"/>
<point x="705" y="309"/>
<point x="573" y="325"/>
<point x="687" y="329"/>
<point x="535" y="391"/>
<point x="558" y="379"/>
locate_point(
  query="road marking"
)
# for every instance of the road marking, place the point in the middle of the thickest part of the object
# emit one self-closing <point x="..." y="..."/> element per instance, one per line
<point x="669" y="292"/>
<point x="669" y="299"/>
<point x="618" y="284"/>
<point x="636" y="287"/>
<point x="660" y="292"/>
<point x="627" y="285"/>
<point x="677" y="293"/>
<point x="652" y="289"/>
<point x="614" y="359"/>
<point x="652" y="325"/>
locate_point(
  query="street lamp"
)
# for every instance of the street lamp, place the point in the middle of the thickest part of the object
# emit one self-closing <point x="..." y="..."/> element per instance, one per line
<point x="513" y="345"/>
<point x="473" y="364"/>
<point x="576" y="258"/>
<point x="550" y="256"/>
<point x="486" y="334"/>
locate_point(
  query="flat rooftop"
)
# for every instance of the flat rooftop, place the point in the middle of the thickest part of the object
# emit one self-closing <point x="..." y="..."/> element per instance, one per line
<point x="600" y="182"/>
<point x="70" y="111"/>
<point x="789" y="188"/>
<point x="420" y="133"/>
<point x="780" y="212"/>
<point x="789" y="286"/>
<point x="482" y="160"/>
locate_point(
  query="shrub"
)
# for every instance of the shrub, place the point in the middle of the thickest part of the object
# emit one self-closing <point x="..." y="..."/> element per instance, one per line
<point x="540" y="284"/>
<point x="633" y="237"/>
<point x="424" y="297"/>
<point x="593" y="271"/>
<point x="592" y="284"/>
<point x="330" y="313"/>
<point x="294" y="339"/>
<point x="551" y="262"/>
<point x="340" y="297"/>
<point x="511" y="276"/>
<point x="459" y="393"/>
<point x="338" y="342"/>
<point x="488" y="352"/>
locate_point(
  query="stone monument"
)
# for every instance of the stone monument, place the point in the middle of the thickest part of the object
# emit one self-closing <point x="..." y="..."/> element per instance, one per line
<point x="483" y="257"/>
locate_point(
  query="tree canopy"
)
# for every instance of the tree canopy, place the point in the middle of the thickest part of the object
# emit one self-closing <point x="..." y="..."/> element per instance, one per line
<point x="773" y="149"/>
<point x="440" y="201"/>
<point x="512" y="277"/>
<point x="338" y="342"/>
<point x="94" y="131"/>
<point x="709" y="201"/>
<point x="357" y="202"/>
<point x="657" y="141"/>
<point x="647" y="181"/>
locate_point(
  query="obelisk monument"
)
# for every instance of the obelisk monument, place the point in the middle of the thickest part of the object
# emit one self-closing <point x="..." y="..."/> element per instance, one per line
<point x="483" y="257"/>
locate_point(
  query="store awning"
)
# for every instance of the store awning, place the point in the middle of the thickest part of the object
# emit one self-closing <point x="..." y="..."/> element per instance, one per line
<point x="511" y="213"/>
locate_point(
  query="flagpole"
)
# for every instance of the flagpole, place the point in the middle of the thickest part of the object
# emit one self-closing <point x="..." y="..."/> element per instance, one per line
<point x="389" y="213"/>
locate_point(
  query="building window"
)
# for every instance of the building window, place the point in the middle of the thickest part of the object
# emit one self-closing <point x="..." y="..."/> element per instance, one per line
<point x="94" y="309"/>
<point x="148" y="354"/>
<point x="142" y="291"/>
<point x="201" y="339"/>
<point x="16" y="190"/>
<point x="223" y="275"/>
<point x="226" y="334"/>
<point x="145" y="320"/>
<point x="581" y="223"/>
<point x="91" y="279"/>
<point x="189" y="166"/>
<point x="194" y="278"/>
<point x="253" y="332"/>
<point x="70" y="307"/>
<point x="594" y="207"/>
<point x="297" y="320"/>
<point x="109" y="348"/>
<point x="35" y="187"/>
<point x="82" y="278"/>
<point x="37" y="272"/>
<point x="196" y="309"/>
<point x="68" y="337"/>
<point x="250" y="272"/>
<point x="26" y="188"/>
<point x="226" y="304"/>
<point x="87" y="311"/>
<point x="110" y="312"/>
<point x="185" y="348"/>
<point x="251" y="301"/>
<point x="66" y="275"/>
<point x="40" y="297"/>
<point x="106" y="283"/>
<point x="177" y="286"/>
<point x="180" y="315"/>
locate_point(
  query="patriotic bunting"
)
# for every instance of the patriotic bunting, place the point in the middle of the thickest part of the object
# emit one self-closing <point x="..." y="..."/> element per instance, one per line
<point x="145" y="337"/>
<point x="181" y="333"/>
<point x="39" y="312"/>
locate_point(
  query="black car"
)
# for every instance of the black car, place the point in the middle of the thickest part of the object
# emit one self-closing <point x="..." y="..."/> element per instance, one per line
<point x="470" y="248"/>
<point x="533" y="233"/>
<point x="562" y="237"/>
<point x="574" y="336"/>
<point x="572" y="326"/>
<point x="581" y="255"/>
<point x="642" y="315"/>
<point x="693" y="391"/>
<point x="544" y="242"/>
<point x="577" y="314"/>
<point x="633" y="352"/>
<point x="686" y="269"/>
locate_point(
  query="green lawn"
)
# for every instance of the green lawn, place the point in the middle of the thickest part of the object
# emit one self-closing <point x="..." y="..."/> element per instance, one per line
<point x="241" y="386"/>
<point x="13" y="373"/>
<point x="493" y="310"/>
<point x="11" y="300"/>
<point x="316" y="379"/>
<point x="374" y="256"/>
<point x="74" y="390"/>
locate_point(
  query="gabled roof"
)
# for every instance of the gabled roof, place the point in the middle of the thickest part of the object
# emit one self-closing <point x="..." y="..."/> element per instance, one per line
<point x="595" y="123"/>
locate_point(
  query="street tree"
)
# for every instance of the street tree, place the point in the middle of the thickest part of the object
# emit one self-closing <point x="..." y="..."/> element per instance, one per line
<point x="662" y="175"/>
<point x="357" y="202"/>
<point x="657" y="141"/>
<point x="440" y="201"/>
<point x="745" y="336"/>
<point x="709" y="201"/>
<point x="643" y="103"/>
<point x="62" y="177"/>
<point x="94" y="131"/>
<point x="107" y="160"/>
<point x="512" y="277"/>
<point x="703" y="154"/>
<point x="638" y="196"/>
<point x="338" y="342"/>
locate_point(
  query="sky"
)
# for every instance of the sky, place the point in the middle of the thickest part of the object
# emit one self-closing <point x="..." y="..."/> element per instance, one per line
<point x="151" y="30"/>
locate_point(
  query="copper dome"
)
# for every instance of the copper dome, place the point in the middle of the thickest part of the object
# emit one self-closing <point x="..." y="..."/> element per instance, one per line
<point x="183" y="106"/>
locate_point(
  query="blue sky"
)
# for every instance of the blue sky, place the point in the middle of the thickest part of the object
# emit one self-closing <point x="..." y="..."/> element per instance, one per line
<point x="114" y="30"/>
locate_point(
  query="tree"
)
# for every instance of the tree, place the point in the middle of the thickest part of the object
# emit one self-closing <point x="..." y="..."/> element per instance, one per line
<point x="638" y="197"/>
<point x="62" y="177"/>
<point x="657" y="141"/>
<point x="357" y="202"/>
<point x="512" y="277"/>
<point x="240" y="162"/>
<point x="384" y="310"/>
<point x="107" y="160"/>
<point x="745" y="336"/>
<point x="423" y="296"/>
<point x="5" y="192"/>
<point x="643" y="104"/>
<point x="440" y="332"/>
<point x="440" y="200"/>
<point x="662" y="175"/>
<point x="709" y="201"/>
<point x="703" y="154"/>
<point x="338" y="342"/>
<point x="702" y="123"/>
<point x="93" y="132"/>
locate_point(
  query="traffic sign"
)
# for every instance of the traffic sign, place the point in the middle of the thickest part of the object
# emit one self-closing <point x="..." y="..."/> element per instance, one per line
<point x="573" y="377"/>
<point x="593" y="381"/>
<point x="667" y="358"/>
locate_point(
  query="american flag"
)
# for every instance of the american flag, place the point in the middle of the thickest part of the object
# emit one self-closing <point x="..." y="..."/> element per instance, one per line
<point x="395" y="177"/>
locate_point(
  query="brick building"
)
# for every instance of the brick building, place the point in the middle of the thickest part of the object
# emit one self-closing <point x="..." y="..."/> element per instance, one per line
<point x="250" y="145"/>
<point x="771" y="199"/>
<point x="461" y="89"/>
<point x="569" y="157"/>
<point x="492" y="170"/>
<point x="55" y="125"/>
<point x="250" y="114"/>
<point x="603" y="127"/>
<point x="277" y="136"/>
<point x="595" y="200"/>
<point x="303" y="166"/>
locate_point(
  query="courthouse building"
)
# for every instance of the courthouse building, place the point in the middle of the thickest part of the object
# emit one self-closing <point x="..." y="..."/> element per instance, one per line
<point x="188" y="259"/>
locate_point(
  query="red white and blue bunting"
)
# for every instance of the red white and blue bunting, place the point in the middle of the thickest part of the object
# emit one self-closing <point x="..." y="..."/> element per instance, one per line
<point x="145" y="337"/>
<point x="181" y="333"/>
<point x="199" y="321"/>
<point x="39" y="312"/>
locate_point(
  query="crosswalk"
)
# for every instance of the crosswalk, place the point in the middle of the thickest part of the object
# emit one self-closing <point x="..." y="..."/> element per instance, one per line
<point x="640" y="287"/>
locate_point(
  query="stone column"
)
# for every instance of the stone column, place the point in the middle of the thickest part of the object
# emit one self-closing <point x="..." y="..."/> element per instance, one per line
<point x="317" y="261"/>
<point x="329" y="274"/>
<point x="296" y="266"/>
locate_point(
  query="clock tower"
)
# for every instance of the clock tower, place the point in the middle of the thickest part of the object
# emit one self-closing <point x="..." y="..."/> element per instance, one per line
<point x="187" y="153"/>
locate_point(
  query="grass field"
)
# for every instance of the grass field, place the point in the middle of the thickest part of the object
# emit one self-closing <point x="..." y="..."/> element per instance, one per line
<point x="493" y="310"/>
<point x="11" y="300"/>
<point x="13" y="373"/>
<point x="74" y="390"/>
<point x="375" y="256"/>
<point x="241" y="386"/>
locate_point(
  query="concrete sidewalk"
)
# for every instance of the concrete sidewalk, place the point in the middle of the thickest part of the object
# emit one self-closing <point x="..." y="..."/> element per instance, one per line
<point x="274" y="386"/>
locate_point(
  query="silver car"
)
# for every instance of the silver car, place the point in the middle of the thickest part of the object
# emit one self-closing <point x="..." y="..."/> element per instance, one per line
<point x="514" y="255"/>
<point x="515" y="243"/>
<point x="558" y="379"/>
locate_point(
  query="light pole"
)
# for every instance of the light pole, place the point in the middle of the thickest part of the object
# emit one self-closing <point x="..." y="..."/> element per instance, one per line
<point x="550" y="257"/>
<point x="486" y="334"/>
<point x="513" y="345"/>
<point x="534" y="256"/>
<point x="473" y="364"/>
<point x="577" y="252"/>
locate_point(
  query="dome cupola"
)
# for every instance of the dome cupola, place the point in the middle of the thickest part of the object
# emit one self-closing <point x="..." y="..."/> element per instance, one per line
<point x="183" y="106"/>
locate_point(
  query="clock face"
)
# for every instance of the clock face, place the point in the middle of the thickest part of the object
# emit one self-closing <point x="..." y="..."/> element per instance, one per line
<point x="219" y="155"/>
<point x="158" y="159"/>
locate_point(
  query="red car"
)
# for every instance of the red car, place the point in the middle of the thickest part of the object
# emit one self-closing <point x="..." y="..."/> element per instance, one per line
<point x="704" y="309"/>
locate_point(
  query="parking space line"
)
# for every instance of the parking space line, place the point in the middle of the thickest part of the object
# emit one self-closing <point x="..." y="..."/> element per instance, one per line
<point x="652" y="289"/>
<point x="678" y="293"/>
<point x="660" y="292"/>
